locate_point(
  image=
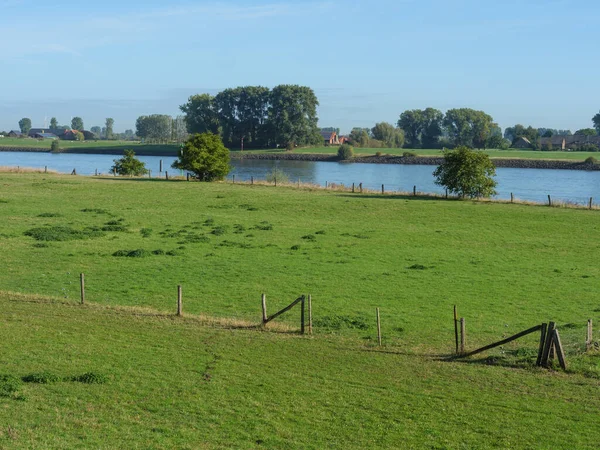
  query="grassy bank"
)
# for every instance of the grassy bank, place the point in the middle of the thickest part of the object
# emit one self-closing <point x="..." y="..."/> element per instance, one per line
<point x="195" y="382"/>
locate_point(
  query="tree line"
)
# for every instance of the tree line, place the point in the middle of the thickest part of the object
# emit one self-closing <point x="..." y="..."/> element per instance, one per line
<point x="256" y="116"/>
<point x="77" y="131"/>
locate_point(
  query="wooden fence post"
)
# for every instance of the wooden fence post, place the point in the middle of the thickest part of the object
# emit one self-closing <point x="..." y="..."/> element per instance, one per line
<point x="298" y="183"/>
<point x="512" y="198"/>
<point x="74" y="172"/>
<point x="96" y="173"/>
<point x="326" y="184"/>
<point x="302" y="315"/>
<point x="463" y="335"/>
<point x="547" y="344"/>
<point x="310" y="328"/>
<point x="187" y="176"/>
<point x="542" y="342"/>
<point x="45" y="169"/>
<point x="560" y="353"/>
<point x="82" y="284"/>
<point x="456" y="329"/>
<point x="275" y="178"/>
<point x="114" y="172"/>
<point x="353" y="188"/>
<point x="414" y="191"/>
<point x="591" y="202"/>
<point x="549" y="200"/>
<point x="264" y="308"/>
<point x="179" y="301"/>
<point x="589" y="340"/>
<point x="382" y="189"/>
<point x="360" y="186"/>
<point x="233" y="178"/>
<point x="378" y="328"/>
<point x="160" y="166"/>
<point x="446" y="193"/>
<point x="252" y="180"/>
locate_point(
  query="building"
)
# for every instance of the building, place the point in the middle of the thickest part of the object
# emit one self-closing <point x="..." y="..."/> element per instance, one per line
<point x="34" y="131"/>
<point x="521" y="142"/>
<point x="14" y="133"/>
<point x="569" y="142"/>
<point x="330" y="138"/>
<point x="45" y="136"/>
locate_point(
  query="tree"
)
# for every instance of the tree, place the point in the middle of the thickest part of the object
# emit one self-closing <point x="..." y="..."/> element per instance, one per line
<point x="129" y="165"/>
<point x="596" y="122"/>
<point x="390" y="136"/>
<point x="200" y="114"/>
<point x="292" y="116"/>
<point x="412" y="123"/>
<point x="109" y="127"/>
<point x="53" y="123"/>
<point x="25" y="125"/>
<point x="345" y="152"/>
<point x="468" y="127"/>
<point x="154" y="128"/>
<point x="97" y="131"/>
<point x="586" y="132"/>
<point x="423" y="128"/>
<point x="205" y="155"/>
<point x="360" y="137"/>
<point x="466" y="173"/>
<point x="129" y="135"/>
<point x="77" y="123"/>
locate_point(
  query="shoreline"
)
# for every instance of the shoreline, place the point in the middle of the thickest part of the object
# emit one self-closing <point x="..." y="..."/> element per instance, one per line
<point x="319" y="157"/>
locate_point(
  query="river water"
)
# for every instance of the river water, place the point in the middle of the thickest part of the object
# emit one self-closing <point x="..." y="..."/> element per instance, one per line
<point x="576" y="186"/>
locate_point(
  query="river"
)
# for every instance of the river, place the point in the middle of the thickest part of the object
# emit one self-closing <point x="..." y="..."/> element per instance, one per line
<point x="575" y="186"/>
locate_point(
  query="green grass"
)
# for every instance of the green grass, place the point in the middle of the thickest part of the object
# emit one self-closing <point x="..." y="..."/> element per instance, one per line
<point x="507" y="267"/>
<point x="94" y="146"/>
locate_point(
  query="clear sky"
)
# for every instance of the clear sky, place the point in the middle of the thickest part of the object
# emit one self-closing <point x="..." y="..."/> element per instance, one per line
<point x="533" y="62"/>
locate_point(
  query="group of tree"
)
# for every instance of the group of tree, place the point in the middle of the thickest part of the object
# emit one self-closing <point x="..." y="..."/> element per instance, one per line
<point x="76" y="130"/>
<point x="256" y="117"/>
<point x="161" y="128"/>
<point x="382" y="135"/>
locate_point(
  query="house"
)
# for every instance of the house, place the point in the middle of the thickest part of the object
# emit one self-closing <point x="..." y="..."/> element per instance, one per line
<point x="34" y="131"/>
<point x="45" y="136"/>
<point x="521" y="142"/>
<point x="344" y="139"/>
<point x="15" y="133"/>
<point x="568" y="142"/>
<point x="330" y="137"/>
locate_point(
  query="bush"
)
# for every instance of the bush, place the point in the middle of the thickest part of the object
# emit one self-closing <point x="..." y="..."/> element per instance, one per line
<point x="9" y="385"/>
<point x="591" y="160"/>
<point x="378" y="154"/>
<point x="290" y="146"/>
<point x="277" y="175"/>
<point x="62" y="233"/>
<point x="345" y="152"/>
<point x="409" y="154"/>
<point x="588" y="148"/>
<point x="467" y="173"/>
<point x="55" y="146"/>
<point x="205" y="156"/>
<point x="129" y="165"/>
<point x="41" y="378"/>
<point x="90" y="378"/>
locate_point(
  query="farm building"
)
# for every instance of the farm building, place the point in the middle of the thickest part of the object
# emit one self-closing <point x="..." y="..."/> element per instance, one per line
<point x="14" y="133"/>
<point x="45" y="136"/>
<point x="521" y="142"/>
<point x="34" y="131"/>
<point x="567" y="142"/>
<point x="330" y="137"/>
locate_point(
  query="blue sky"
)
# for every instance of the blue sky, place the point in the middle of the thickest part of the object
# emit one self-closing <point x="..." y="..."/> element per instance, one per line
<point x="529" y="61"/>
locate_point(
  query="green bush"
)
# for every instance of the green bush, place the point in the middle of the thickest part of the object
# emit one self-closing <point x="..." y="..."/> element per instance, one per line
<point x="409" y="154"/>
<point x="290" y="146"/>
<point x="345" y="152"/>
<point x="591" y="160"/>
<point x="55" y="146"/>
<point x="467" y="173"/>
<point x="129" y="165"/>
<point x="41" y="378"/>
<point x="138" y="253"/>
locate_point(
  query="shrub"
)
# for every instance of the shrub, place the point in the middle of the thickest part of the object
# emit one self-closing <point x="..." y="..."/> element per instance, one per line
<point x="62" y="233"/>
<point x="409" y="154"/>
<point x="277" y="175"/>
<point x="129" y="165"/>
<point x="345" y="152"/>
<point x="591" y="160"/>
<point x="90" y="378"/>
<point x="467" y="173"/>
<point x="55" y="146"/>
<point x="41" y="378"/>
<point x="290" y="146"/>
<point x="138" y="253"/>
<point x="9" y="385"/>
<point x="205" y="156"/>
<point x="378" y="154"/>
<point x="146" y="232"/>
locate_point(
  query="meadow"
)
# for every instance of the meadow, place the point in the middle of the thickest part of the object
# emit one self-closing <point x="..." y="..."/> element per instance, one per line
<point x="213" y="379"/>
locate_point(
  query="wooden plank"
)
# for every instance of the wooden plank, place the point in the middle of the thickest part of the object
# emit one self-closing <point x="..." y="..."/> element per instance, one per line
<point x="547" y="343"/>
<point x="544" y="328"/>
<point x="82" y="284"/>
<point x="560" y="353"/>
<point x="504" y="341"/>
<point x="456" y="329"/>
<point x="264" y="309"/>
<point x="179" y="301"/>
<point x="589" y="341"/>
<point x="286" y="309"/>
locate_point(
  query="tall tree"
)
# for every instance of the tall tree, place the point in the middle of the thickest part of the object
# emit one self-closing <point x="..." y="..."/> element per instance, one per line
<point x="25" y="125"/>
<point x="468" y="127"/>
<point x="360" y="137"/>
<point x="411" y="121"/>
<point x="587" y="132"/>
<point x="154" y="128"/>
<point x="292" y="116"/>
<point x="391" y="136"/>
<point x="431" y="128"/>
<point x="200" y="114"/>
<point x="596" y="122"/>
<point x="53" y="123"/>
<point x="77" y="123"/>
<point x="109" y="127"/>
<point x="97" y="131"/>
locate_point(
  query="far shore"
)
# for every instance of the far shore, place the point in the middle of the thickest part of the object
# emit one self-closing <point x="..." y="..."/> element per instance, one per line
<point x="520" y="163"/>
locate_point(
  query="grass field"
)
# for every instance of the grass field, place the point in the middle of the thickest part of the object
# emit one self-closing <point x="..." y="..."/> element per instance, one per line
<point x="172" y="149"/>
<point x="507" y="267"/>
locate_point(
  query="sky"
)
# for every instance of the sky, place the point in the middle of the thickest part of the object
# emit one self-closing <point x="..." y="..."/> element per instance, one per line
<point x="532" y="62"/>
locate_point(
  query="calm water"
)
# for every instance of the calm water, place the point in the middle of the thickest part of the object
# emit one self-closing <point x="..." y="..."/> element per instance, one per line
<point x="527" y="184"/>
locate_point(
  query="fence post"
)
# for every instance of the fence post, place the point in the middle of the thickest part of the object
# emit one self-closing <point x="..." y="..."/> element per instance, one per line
<point x="264" y="308"/>
<point x="382" y="189"/>
<point x="252" y="180"/>
<point x="166" y="175"/>
<point x="187" y="176"/>
<point x="360" y="186"/>
<point x="82" y="284"/>
<point x="114" y="172"/>
<point x="463" y="335"/>
<point x="591" y="202"/>
<point x="589" y="340"/>
<point x="160" y="166"/>
<point x="74" y="172"/>
<point x="353" y="188"/>
<point x="275" y="178"/>
<point x="542" y="343"/>
<point x="549" y="200"/>
<point x="233" y="178"/>
<point x="96" y="173"/>
<point x="325" y="184"/>
<point x="414" y="191"/>
<point x="179" y="301"/>
<point x="302" y="316"/>
<point x="45" y="169"/>
<point x="378" y="328"/>
<point x="512" y="198"/>
<point x="446" y="193"/>
<point x="456" y="329"/>
<point x="310" y="328"/>
<point x="298" y="183"/>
